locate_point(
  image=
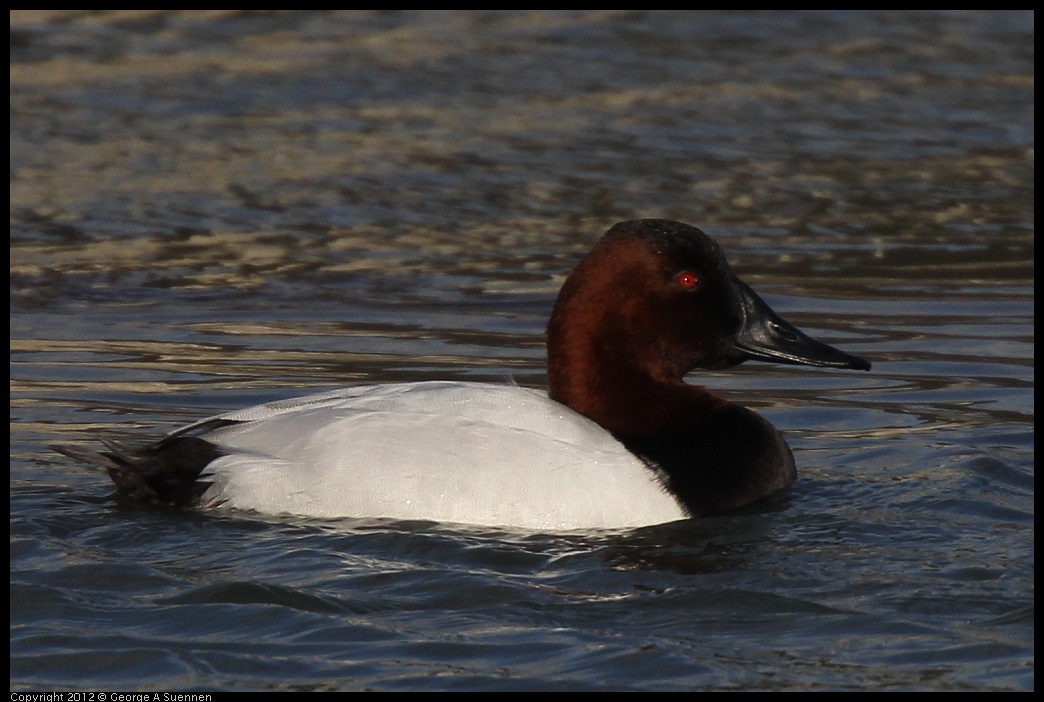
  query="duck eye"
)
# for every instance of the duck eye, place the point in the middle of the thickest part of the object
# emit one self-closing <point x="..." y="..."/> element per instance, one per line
<point x="687" y="280"/>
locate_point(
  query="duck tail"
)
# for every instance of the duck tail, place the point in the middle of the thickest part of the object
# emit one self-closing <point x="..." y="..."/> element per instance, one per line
<point x="170" y="471"/>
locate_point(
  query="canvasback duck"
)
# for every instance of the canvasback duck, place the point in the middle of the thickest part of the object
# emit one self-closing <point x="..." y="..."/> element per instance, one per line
<point x="619" y="441"/>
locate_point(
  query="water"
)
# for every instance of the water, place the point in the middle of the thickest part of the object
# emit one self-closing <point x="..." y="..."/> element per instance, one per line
<point x="212" y="209"/>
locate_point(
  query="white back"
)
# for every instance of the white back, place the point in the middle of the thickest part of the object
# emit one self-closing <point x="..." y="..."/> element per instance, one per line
<point x="445" y="451"/>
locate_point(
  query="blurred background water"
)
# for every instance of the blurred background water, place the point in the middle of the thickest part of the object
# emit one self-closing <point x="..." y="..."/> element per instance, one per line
<point x="216" y="208"/>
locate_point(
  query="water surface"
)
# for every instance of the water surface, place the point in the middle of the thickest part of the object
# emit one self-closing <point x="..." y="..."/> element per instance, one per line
<point x="212" y="209"/>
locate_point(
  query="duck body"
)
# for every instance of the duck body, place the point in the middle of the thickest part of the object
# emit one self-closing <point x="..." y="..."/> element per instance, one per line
<point x="444" y="451"/>
<point x="621" y="440"/>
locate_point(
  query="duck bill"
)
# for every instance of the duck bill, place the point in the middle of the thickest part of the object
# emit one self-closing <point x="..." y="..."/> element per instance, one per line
<point x="765" y="336"/>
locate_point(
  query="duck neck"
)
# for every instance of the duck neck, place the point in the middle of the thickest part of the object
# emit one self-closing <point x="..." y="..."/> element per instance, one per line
<point x="607" y="382"/>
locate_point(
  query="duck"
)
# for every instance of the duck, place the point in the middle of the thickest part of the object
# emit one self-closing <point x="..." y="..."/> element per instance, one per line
<point x="619" y="440"/>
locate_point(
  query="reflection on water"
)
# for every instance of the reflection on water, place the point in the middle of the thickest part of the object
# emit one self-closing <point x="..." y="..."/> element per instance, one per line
<point x="211" y="209"/>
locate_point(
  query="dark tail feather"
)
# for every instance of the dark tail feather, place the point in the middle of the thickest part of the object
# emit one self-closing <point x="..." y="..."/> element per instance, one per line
<point x="167" y="472"/>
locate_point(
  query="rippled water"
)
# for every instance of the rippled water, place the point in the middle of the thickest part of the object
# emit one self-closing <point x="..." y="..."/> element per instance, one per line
<point x="210" y="209"/>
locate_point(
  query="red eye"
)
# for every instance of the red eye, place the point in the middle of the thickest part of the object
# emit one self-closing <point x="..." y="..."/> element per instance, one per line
<point x="687" y="280"/>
